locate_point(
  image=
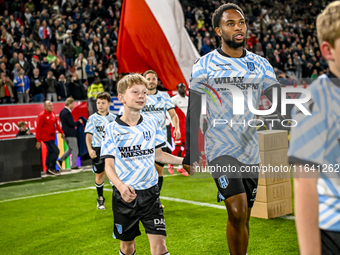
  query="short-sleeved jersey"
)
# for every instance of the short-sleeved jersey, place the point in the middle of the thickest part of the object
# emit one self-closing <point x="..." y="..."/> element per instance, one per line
<point x="181" y="103"/>
<point x="156" y="107"/>
<point x="133" y="149"/>
<point x="315" y="141"/>
<point x="217" y="75"/>
<point x="95" y="125"/>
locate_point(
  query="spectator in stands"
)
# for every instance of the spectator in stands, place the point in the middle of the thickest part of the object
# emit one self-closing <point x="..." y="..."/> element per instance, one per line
<point x="51" y="87"/>
<point x="24" y="64"/>
<point x="206" y="47"/>
<point x="44" y="67"/>
<point x="29" y="51"/>
<point x="47" y="125"/>
<point x="80" y="65"/>
<point x="78" y="49"/>
<point x="68" y="51"/>
<point x="15" y="72"/>
<point x="4" y="69"/>
<point x="13" y="60"/>
<point x="290" y="67"/>
<point x="7" y="37"/>
<point x="45" y="34"/>
<point x="6" y="93"/>
<point x="60" y="36"/>
<point x="63" y="89"/>
<point x="30" y="6"/>
<point x="59" y="66"/>
<point x="23" y="129"/>
<point x="35" y="63"/>
<point x="93" y="57"/>
<point x="99" y="71"/>
<point x="314" y="75"/>
<point x="77" y="89"/>
<point x="110" y="85"/>
<point x="92" y="92"/>
<point x="37" y="84"/>
<point x="298" y="66"/>
<point x="35" y="30"/>
<point x="22" y="84"/>
<point x="90" y="67"/>
<point x="276" y="62"/>
<point x="68" y="125"/>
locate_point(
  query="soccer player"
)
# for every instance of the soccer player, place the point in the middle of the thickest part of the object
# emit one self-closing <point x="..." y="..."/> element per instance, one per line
<point x="224" y="76"/>
<point x="131" y="145"/>
<point x="314" y="149"/>
<point x="157" y="104"/>
<point x="94" y="131"/>
<point x="180" y="102"/>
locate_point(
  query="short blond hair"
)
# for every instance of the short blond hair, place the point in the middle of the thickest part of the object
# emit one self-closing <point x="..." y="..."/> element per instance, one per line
<point x="328" y="24"/>
<point x="129" y="80"/>
<point x="69" y="101"/>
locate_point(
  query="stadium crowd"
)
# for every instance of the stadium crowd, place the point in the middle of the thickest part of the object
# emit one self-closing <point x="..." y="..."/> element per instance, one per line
<point x="56" y="49"/>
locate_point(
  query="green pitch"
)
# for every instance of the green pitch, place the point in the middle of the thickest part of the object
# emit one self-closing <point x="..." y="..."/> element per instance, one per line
<point x="58" y="215"/>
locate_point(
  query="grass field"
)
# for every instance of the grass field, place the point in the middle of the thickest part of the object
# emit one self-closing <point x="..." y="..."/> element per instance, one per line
<point x="58" y="215"/>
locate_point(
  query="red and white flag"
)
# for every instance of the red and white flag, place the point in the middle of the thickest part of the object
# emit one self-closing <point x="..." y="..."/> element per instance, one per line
<point x="152" y="36"/>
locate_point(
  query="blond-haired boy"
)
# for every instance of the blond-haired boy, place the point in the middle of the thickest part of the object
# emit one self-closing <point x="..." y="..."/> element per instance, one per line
<point x="131" y="145"/>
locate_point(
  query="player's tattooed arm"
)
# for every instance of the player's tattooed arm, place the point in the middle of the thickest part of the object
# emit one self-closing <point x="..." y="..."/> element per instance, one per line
<point x="167" y="158"/>
<point x="175" y="121"/>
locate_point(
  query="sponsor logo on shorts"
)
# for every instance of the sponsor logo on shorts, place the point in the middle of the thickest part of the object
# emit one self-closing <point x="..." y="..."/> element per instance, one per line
<point x="119" y="228"/>
<point x="159" y="222"/>
<point x="223" y="181"/>
<point x="254" y="191"/>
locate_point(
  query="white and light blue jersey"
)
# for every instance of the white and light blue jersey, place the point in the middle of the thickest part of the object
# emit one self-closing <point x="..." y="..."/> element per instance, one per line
<point x="133" y="149"/>
<point x="156" y="107"/>
<point x="95" y="125"/>
<point x="315" y="141"/>
<point x="218" y="76"/>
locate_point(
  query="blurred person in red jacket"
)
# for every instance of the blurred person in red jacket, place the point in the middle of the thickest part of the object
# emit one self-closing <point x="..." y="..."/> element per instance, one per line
<point x="46" y="127"/>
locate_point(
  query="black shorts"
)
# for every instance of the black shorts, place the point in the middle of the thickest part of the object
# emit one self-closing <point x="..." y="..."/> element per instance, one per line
<point x="167" y="150"/>
<point x="98" y="163"/>
<point x="330" y="242"/>
<point x="146" y="208"/>
<point x="231" y="179"/>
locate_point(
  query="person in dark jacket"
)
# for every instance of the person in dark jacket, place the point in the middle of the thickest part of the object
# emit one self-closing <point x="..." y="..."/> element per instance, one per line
<point x="77" y="90"/>
<point x="68" y="126"/>
<point x="23" y="130"/>
<point x="37" y="86"/>
<point x="69" y="52"/>
<point x="63" y="88"/>
<point x="44" y="67"/>
<point x="51" y="87"/>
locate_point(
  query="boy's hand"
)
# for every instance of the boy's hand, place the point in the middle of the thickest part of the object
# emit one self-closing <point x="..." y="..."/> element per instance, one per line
<point x="177" y="134"/>
<point x="127" y="192"/>
<point x="192" y="169"/>
<point x="92" y="154"/>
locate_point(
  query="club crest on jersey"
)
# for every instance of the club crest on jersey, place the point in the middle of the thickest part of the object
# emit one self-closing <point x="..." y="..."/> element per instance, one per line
<point x="119" y="228"/>
<point x="147" y="135"/>
<point x="223" y="181"/>
<point x="159" y="98"/>
<point x="251" y="66"/>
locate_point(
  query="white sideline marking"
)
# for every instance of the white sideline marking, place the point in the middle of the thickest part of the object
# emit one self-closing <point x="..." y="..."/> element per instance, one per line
<point x="287" y="217"/>
<point x="42" y="195"/>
